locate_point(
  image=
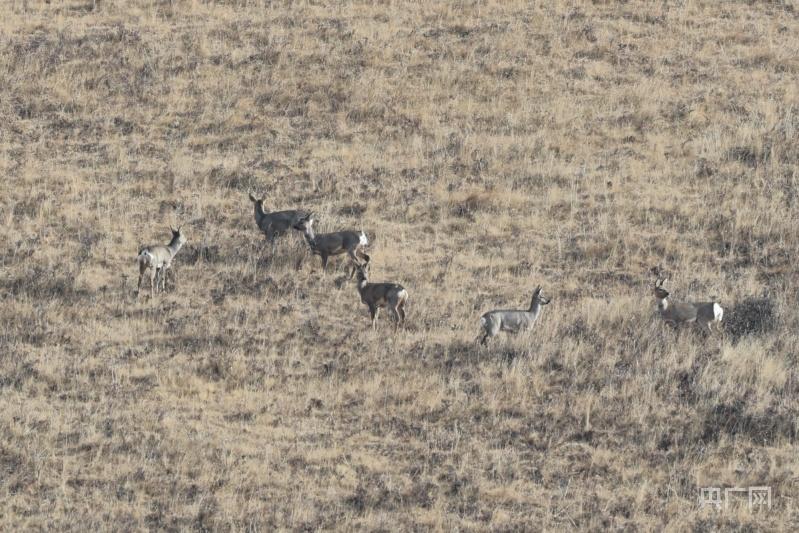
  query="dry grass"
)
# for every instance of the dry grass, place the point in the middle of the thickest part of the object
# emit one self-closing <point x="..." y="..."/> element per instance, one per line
<point x="486" y="147"/>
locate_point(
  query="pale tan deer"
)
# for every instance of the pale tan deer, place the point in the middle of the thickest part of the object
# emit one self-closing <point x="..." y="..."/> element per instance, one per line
<point x="512" y="321"/>
<point x="158" y="259"/>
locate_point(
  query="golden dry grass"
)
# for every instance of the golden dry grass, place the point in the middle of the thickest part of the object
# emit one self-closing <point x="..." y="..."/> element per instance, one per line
<point x="486" y="147"/>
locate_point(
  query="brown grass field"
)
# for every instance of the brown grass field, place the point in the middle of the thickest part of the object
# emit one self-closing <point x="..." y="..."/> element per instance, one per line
<point x="486" y="147"/>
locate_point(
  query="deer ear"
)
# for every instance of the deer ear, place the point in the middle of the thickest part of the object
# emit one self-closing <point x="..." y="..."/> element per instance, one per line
<point x="537" y="289"/>
<point x="252" y="198"/>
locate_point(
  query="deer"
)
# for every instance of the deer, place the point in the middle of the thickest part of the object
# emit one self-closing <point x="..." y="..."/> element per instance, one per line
<point x="275" y="224"/>
<point x="512" y="321"/>
<point x="704" y="314"/>
<point x="158" y="259"/>
<point x="376" y="295"/>
<point x="337" y="243"/>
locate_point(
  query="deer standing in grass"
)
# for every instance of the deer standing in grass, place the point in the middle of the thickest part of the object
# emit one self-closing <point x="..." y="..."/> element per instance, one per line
<point x="275" y="224"/>
<point x="159" y="259"/>
<point x="510" y="320"/>
<point x="376" y="295"/>
<point x="337" y="243"/>
<point x="702" y="313"/>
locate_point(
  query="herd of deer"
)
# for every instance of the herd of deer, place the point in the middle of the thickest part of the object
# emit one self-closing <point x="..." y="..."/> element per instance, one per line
<point x="393" y="296"/>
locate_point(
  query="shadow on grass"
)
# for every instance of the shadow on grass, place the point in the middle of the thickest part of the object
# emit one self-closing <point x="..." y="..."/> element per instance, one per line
<point x="732" y="419"/>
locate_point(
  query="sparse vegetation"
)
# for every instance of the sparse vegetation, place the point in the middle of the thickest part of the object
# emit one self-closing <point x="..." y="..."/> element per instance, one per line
<point x="484" y="146"/>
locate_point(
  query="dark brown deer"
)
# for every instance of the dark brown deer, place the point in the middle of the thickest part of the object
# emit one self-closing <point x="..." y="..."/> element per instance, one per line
<point x="274" y="224"/>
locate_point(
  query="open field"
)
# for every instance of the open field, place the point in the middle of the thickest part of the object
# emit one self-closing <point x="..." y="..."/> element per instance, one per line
<point x="486" y="147"/>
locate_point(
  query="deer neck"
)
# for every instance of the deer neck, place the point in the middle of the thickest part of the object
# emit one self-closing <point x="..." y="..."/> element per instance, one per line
<point x="535" y="306"/>
<point x="174" y="245"/>
<point x="362" y="283"/>
<point x="310" y="237"/>
<point x="259" y="212"/>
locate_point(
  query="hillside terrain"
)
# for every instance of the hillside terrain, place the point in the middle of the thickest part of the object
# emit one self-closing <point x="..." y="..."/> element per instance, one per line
<point x="485" y="147"/>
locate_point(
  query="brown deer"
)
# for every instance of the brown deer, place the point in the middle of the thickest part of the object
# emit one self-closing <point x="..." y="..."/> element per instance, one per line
<point x="376" y="295"/>
<point x="337" y="243"/>
<point x="277" y="223"/>
<point x="702" y="313"/>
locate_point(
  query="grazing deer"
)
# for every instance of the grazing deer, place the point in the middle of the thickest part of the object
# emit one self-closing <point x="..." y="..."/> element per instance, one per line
<point x="702" y="313"/>
<point x="159" y="259"/>
<point x="512" y="321"/>
<point x="377" y="295"/>
<point x="274" y="224"/>
<point x="337" y="243"/>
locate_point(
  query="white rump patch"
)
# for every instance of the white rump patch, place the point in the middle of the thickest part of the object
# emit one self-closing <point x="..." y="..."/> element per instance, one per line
<point x="718" y="312"/>
<point x="364" y="240"/>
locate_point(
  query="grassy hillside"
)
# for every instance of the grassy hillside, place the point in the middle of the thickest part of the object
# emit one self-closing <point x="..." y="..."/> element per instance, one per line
<point x="486" y="147"/>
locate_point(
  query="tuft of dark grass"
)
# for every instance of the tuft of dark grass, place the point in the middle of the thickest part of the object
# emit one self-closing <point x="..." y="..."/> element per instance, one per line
<point x="751" y="316"/>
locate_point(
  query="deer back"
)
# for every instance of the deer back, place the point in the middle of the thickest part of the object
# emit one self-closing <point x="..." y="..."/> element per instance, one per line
<point x="337" y="242"/>
<point x="380" y="293"/>
<point x="679" y="312"/>
<point x="512" y="320"/>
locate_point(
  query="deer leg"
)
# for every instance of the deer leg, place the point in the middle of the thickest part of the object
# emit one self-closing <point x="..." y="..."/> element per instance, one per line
<point x="397" y="320"/>
<point x="142" y="269"/>
<point x="374" y="311"/>
<point x="273" y="244"/>
<point x="325" y="258"/>
<point x="164" y="272"/>
<point x="153" y="274"/>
